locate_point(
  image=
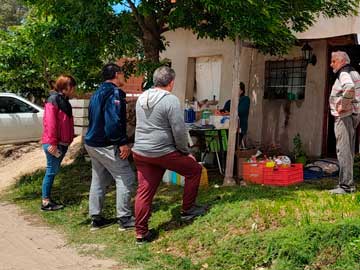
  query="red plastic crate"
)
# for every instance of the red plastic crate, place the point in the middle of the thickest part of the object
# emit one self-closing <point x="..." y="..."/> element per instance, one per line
<point x="284" y="176"/>
<point x="253" y="172"/>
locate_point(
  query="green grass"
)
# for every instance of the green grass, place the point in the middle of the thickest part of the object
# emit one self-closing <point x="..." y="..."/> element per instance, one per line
<point x="252" y="227"/>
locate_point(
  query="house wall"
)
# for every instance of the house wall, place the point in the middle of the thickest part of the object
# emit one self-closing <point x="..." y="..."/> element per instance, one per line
<point x="326" y="27"/>
<point x="183" y="45"/>
<point x="305" y="117"/>
<point x="267" y="117"/>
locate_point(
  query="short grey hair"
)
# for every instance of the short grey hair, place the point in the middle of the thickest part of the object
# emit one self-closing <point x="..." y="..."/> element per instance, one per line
<point x="163" y="76"/>
<point x="341" y="56"/>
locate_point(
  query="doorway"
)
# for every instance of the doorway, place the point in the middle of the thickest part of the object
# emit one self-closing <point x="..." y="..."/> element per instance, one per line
<point x="354" y="53"/>
<point x="204" y="78"/>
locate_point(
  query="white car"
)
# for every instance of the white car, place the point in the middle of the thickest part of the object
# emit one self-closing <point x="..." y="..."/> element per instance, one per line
<point x="20" y="120"/>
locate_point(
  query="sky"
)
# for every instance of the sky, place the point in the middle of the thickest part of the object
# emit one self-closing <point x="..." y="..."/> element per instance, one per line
<point x="118" y="8"/>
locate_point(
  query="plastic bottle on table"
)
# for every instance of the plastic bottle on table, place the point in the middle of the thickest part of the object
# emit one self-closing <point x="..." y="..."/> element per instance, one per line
<point x="186" y="111"/>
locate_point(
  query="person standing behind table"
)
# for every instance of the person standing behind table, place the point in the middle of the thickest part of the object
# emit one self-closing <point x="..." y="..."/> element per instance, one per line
<point x="58" y="133"/>
<point x="106" y="143"/>
<point x="243" y="111"/>
<point x="161" y="143"/>
<point x="344" y="106"/>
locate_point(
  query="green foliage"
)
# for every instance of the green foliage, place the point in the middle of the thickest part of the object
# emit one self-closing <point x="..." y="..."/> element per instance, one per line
<point x="299" y="152"/>
<point x="19" y="71"/>
<point x="66" y="49"/>
<point x="302" y="227"/>
<point x="12" y="12"/>
<point x="41" y="49"/>
<point x="78" y="37"/>
<point x="270" y="25"/>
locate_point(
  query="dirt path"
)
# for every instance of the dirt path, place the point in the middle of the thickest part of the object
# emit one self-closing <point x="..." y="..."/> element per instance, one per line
<point x="22" y="159"/>
<point x="24" y="245"/>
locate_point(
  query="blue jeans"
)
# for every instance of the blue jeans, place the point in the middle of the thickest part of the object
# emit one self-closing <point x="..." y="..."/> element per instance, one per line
<point x="52" y="168"/>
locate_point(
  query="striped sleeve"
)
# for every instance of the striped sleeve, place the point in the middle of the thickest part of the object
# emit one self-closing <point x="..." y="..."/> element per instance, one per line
<point x="347" y="85"/>
<point x="356" y="102"/>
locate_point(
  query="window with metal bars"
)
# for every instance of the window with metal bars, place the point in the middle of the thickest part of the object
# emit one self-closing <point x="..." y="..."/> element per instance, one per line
<point x="285" y="79"/>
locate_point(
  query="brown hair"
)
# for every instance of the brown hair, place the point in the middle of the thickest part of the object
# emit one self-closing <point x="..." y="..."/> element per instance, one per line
<point x="64" y="82"/>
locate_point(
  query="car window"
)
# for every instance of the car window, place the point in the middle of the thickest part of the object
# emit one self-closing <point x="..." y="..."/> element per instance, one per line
<point x="13" y="105"/>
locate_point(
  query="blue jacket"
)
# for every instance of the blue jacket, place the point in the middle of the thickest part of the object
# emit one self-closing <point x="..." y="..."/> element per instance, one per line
<point x="107" y="117"/>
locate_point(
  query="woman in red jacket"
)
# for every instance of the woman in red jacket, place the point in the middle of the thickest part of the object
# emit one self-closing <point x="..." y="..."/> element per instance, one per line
<point x="57" y="135"/>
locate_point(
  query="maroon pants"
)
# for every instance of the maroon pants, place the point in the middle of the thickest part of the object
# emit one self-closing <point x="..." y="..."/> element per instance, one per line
<point x="150" y="172"/>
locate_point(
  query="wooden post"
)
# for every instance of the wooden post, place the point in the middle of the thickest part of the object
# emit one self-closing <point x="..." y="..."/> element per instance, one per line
<point x="229" y="172"/>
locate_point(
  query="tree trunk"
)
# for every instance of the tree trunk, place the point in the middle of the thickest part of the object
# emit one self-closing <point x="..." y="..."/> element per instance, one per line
<point x="151" y="40"/>
<point x="151" y="33"/>
<point x="229" y="172"/>
<point x="151" y="49"/>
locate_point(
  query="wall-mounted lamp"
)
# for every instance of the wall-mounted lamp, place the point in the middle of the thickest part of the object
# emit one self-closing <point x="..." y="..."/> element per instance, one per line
<point x="308" y="55"/>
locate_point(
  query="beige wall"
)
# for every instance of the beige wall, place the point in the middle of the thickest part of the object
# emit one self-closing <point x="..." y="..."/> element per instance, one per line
<point x="306" y="116"/>
<point x="267" y="117"/>
<point x="331" y="27"/>
<point x="184" y="45"/>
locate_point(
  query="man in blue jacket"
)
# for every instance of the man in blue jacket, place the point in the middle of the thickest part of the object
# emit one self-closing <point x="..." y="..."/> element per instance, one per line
<point x="106" y="144"/>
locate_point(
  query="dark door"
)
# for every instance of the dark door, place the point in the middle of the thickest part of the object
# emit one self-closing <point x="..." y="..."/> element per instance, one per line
<point x="354" y="53"/>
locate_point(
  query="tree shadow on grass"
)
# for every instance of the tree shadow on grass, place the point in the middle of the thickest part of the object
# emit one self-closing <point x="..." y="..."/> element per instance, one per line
<point x="215" y="197"/>
<point x="71" y="185"/>
<point x="168" y="195"/>
<point x="26" y="187"/>
<point x="320" y="184"/>
<point x="74" y="183"/>
<point x="223" y="196"/>
<point x="174" y="223"/>
<point x="256" y="192"/>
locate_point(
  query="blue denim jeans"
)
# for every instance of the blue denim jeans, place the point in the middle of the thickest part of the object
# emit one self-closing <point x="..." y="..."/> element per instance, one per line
<point x="52" y="168"/>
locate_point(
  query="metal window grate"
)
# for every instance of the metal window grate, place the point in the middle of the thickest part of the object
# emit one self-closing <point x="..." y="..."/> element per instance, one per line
<point x="285" y="79"/>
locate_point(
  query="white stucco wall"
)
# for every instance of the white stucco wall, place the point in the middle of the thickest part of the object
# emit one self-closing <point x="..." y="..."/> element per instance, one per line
<point x="267" y="117"/>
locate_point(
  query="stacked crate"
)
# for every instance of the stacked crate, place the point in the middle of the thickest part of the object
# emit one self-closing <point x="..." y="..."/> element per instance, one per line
<point x="258" y="173"/>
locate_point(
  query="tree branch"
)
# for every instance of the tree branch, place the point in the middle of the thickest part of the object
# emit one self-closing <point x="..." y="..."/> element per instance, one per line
<point x="164" y="29"/>
<point x="138" y="17"/>
<point x="164" y="15"/>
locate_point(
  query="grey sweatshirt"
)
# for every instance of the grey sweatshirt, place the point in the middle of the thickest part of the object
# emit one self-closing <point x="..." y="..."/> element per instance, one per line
<point x="160" y="126"/>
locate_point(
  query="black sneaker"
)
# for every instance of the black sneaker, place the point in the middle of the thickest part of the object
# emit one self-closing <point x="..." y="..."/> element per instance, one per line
<point x="98" y="222"/>
<point x="126" y="223"/>
<point x="194" y="212"/>
<point x="51" y="206"/>
<point x="149" y="237"/>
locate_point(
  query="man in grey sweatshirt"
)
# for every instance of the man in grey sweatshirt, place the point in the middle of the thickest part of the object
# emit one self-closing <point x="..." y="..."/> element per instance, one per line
<point x="161" y="143"/>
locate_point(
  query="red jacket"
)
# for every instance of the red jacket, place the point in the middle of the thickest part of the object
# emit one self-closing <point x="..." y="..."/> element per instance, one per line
<point x="58" y="120"/>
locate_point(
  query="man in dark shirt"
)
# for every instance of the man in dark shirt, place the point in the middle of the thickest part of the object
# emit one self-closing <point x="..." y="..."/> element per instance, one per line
<point x="106" y="144"/>
<point x="243" y="111"/>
